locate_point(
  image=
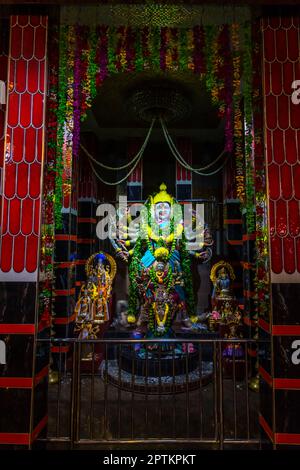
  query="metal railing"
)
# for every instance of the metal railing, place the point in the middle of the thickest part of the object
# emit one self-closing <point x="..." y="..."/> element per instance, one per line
<point x="108" y="393"/>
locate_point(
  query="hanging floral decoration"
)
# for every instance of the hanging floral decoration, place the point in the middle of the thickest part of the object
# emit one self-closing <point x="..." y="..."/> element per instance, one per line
<point x="248" y="134"/>
<point x="261" y="281"/>
<point x="228" y="74"/>
<point x="214" y="53"/>
<point x="145" y="47"/>
<point x="47" y="229"/>
<point x="237" y="114"/>
<point x="77" y="94"/>
<point x="61" y="120"/>
<point x="103" y="53"/>
<point x="92" y="66"/>
<point x="198" y="50"/>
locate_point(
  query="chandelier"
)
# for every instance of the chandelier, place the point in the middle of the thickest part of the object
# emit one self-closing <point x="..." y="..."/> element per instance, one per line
<point x="158" y="101"/>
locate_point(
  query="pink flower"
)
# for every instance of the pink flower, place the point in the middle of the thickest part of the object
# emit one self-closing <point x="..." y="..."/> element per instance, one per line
<point x="215" y="315"/>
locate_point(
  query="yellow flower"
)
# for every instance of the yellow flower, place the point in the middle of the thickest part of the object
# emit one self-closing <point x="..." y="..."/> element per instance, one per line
<point x="161" y="253"/>
<point x="131" y="319"/>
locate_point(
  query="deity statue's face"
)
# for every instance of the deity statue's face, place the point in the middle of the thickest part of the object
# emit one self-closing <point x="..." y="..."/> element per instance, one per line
<point x="160" y="267"/>
<point x="223" y="274"/>
<point x="162" y="212"/>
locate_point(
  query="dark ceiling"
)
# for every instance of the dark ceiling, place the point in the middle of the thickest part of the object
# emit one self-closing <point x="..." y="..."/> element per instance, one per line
<point x="110" y="108"/>
<point x="109" y="116"/>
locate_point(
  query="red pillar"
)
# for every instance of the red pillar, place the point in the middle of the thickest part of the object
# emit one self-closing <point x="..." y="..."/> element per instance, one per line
<point x="280" y="384"/>
<point x="21" y="380"/>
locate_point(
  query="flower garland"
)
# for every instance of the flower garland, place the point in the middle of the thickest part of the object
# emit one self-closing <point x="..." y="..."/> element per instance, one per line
<point x="247" y="92"/>
<point x="121" y="57"/>
<point x="187" y="276"/>
<point x="152" y="321"/>
<point x="85" y="82"/>
<point x="61" y="117"/>
<point x="133" y="271"/>
<point x="69" y="120"/>
<point x="130" y="49"/>
<point x="111" y="51"/>
<point x="261" y="281"/>
<point x="163" y="49"/>
<point x="227" y="71"/>
<point x="238" y="124"/>
<point x="139" y="51"/>
<point x="182" y="50"/>
<point x="103" y="53"/>
<point x="198" y="50"/>
<point x="92" y="67"/>
<point x="223" y="45"/>
<point x="77" y="95"/>
<point x="216" y="60"/>
<point x="145" y="46"/>
<point x="190" y="50"/>
<point x="210" y="43"/>
<point x="174" y="48"/>
<point x="47" y="228"/>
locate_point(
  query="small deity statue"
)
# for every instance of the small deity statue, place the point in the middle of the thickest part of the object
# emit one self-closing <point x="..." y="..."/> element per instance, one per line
<point x="92" y="307"/>
<point x="103" y="288"/>
<point x="83" y="309"/>
<point x="226" y="312"/>
<point x="223" y="283"/>
<point x="222" y="275"/>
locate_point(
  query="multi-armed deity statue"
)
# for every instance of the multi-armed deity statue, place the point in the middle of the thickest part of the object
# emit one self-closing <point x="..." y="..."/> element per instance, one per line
<point x="160" y="288"/>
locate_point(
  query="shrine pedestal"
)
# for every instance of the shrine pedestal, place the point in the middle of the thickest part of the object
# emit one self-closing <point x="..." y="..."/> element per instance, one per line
<point x="160" y="371"/>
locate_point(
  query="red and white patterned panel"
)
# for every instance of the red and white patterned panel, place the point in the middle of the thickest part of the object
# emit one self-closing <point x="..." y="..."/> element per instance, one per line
<point x="184" y="176"/>
<point x="3" y="78"/>
<point x="281" y="61"/>
<point x="24" y="147"/>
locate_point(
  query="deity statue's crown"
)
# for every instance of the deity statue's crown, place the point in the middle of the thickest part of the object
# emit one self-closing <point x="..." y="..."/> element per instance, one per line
<point x="162" y="196"/>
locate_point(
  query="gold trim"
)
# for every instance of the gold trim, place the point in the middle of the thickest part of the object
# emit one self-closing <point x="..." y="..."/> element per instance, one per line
<point x="110" y="259"/>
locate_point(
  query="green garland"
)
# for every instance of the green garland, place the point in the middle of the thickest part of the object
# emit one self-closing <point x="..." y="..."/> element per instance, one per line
<point x="210" y="38"/>
<point x="92" y="68"/>
<point x="247" y="92"/>
<point x="182" y="50"/>
<point x="187" y="276"/>
<point x="133" y="272"/>
<point x="111" y="52"/>
<point x="61" y="117"/>
<point x="155" y="48"/>
<point x="139" y="59"/>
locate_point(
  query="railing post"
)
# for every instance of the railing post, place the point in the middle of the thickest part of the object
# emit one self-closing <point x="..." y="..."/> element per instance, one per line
<point x="75" y="397"/>
<point x="220" y="396"/>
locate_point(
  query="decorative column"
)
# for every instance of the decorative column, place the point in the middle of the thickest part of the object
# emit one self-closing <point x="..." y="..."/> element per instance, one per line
<point x="65" y="257"/>
<point x="279" y="366"/>
<point x="23" y="379"/>
<point x="184" y="176"/>
<point x="135" y="180"/>
<point x="87" y="204"/>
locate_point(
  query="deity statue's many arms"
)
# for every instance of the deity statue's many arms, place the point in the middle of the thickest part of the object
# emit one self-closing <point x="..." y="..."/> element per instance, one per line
<point x="160" y="278"/>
